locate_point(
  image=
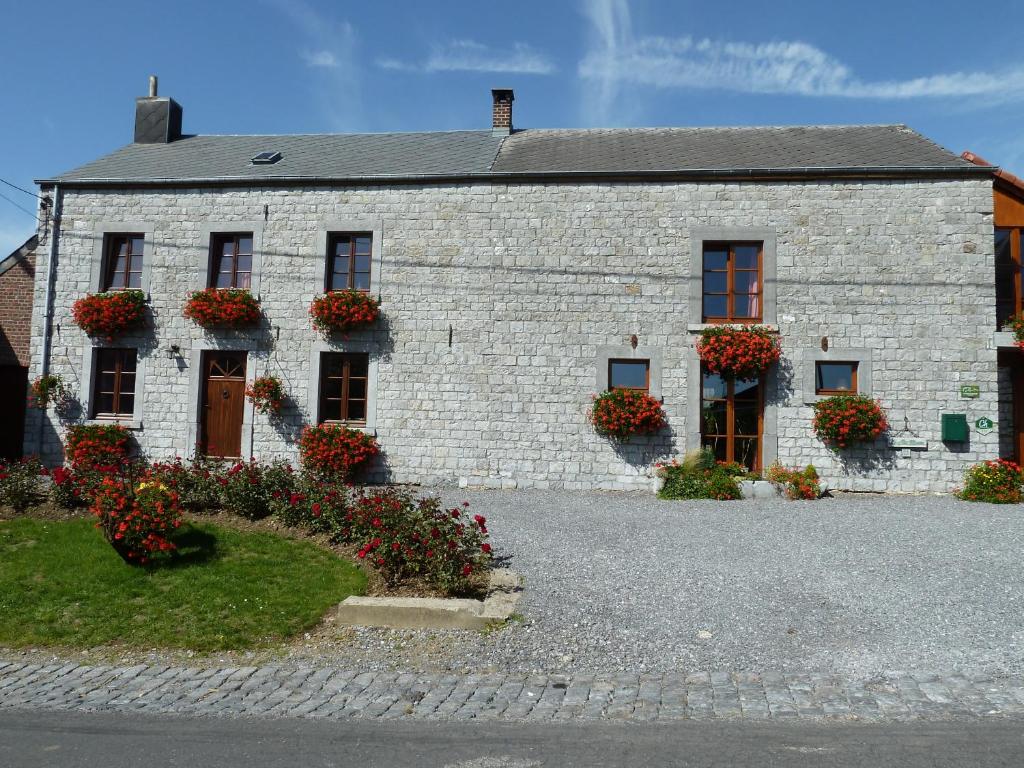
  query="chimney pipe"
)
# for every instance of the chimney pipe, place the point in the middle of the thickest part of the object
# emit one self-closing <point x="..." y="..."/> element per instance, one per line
<point x="152" y="86"/>
<point x="501" y="111"/>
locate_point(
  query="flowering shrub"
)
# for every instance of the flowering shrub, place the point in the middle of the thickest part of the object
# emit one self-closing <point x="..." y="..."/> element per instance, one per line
<point x="66" y="490"/>
<point x="343" y="310"/>
<point x="336" y="452"/>
<point x="196" y="483"/>
<point x="738" y="353"/>
<point x="1016" y="324"/>
<point x="797" y="484"/>
<point x="21" y="483"/>
<point x="96" y="446"/>
<point x="110" y="314"/>
<point x="222" y="308"/>
<point x="404" y="536"/>
<point x="622" y="413"/>
<point x="843" y="420"/>
<point x="699" y="476"/>
<point x="266" y="394"/>
<point x="248" y="488"/>
<point x="997" y="482"/>
<point x="48" y="390"/>
<point x="137" y="518"/>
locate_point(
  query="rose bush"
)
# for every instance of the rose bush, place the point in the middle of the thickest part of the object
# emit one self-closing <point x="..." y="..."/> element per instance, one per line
<point x="21" y="483"/>
<point x="796" y="483"/>
<point x="844" y="420"/>
<point x="333" y="451"/>
<point x="110" y="314"/>
<point x="341" y="311"/>
<point x="266" y="394"/>
<point x="138" y="516"/>
<point x="738" y="353"/>
<point x="222" y="308"/>
<point x="997" y="482"/>
<point x="622" y="413"/>
<point x="94" y="446"/>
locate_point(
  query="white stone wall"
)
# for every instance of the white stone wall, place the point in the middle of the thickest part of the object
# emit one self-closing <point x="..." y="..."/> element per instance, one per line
<point x="533" y="280"/>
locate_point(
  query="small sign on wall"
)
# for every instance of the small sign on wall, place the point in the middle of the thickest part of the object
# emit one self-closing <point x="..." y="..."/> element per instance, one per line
<point x="916" y="443"/>
<point x="984" y="424"/>
<point x="969" y="391"/>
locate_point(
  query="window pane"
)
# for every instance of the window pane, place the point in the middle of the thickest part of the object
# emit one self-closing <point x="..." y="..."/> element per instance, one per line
<point x="342" y="245"/>
<point x="1003" y="254"/>
<point x="105" y="403"/>
<point x="245" y="245"/>
<point x="362" y="263"/>
<point x="341" y="266"/>
<point x="106" y="383"/>
<point x="223" y="280"/>
<point x="716" y="282"/>
<point x="227" y="262"/>
<point x="745" y="282"/>
<point x="361" y="281"/>
<point x="242" y="280"/>
<point x="360" y="365"/>
<point x="137" y="247"/>
<point x="135" y="280"/>
<point x="713" y="386"/>
<point x="127" y="405"/>
<point x="716" y="306"/>
<point x="744" y="389"/>
<point x="128" y="359"/>
<point x="713" y="418"/>
<point x="746" y="256"/>
<point x="244" y="264"/>
<point x="363" y="245"/>
<point x="331" y="388"/>
<point x="357" y="388"/>
<point x="745" y="418"/>
<point x="745" y="451"/>
<point x="628" y="374"/>
<point x="716" y="258"/>
<point x="330" y="364"/>
<point x="835" y="376"/>
<point x="227" y="247"/>
<point x="356" y="410"/>
<point x="745" y="305"/>
<point x="717" y="445"/>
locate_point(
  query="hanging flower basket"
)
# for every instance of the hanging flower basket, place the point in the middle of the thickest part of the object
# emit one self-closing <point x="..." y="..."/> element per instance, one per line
<point x="1016" y="324"/>
<point x="342" y="311"/>
<point x="48" y="390"/>
<point x="266" y="394"/>
<point x="738" y="353"/>
<point x="222" y="308"/>
<point x="622" y="413"/>
<point x="845" y="420"/>
<point x="110" y="314"/>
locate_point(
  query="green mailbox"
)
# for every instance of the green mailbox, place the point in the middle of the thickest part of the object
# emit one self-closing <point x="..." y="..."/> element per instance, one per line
<point x="954" y="427"/>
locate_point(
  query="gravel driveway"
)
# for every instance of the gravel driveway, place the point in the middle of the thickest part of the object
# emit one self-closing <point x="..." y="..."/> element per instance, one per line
<point x="856" y="585"/>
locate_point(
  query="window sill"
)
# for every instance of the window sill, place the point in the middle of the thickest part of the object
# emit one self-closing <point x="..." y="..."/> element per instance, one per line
<point x="357" y="427"/>
<point x="132" y="424"/>
<point x="1004" y="340"/>
<point x="698" y="327"/>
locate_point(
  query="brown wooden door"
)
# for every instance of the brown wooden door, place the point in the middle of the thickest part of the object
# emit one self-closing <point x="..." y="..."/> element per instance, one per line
<point x="223" y="392"/>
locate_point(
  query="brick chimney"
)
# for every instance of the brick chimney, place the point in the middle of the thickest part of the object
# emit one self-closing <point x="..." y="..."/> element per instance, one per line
<point x="501" y="111"/>
<point x="157" y="121"/>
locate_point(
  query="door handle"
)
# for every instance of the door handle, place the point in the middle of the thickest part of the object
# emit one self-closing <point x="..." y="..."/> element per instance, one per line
<point x="225" y="394"/>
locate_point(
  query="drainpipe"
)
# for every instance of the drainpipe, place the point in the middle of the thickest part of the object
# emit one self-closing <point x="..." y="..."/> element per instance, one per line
<point x="51" y="277"/>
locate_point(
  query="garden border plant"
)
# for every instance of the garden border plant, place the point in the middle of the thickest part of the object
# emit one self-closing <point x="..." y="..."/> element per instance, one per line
<point x="996" y="481"/>
<point x="700" y="476"/>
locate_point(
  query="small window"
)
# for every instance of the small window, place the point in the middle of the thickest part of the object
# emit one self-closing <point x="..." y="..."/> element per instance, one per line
<point x="266" y="158"/>
<point x="835" y="378"/>
<point x="629" y="374"/>
<point x="122" y="266"/>
<point x="231" y="261"/>
<point x="732" y="282"/>
<point x="348" y="261"/>
<point x="343" y="388"/>
<point x="114" y="384"/>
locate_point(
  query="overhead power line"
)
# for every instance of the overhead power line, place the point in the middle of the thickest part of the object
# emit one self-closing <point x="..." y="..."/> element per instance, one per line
<point x="18" y="206"/>
<point x="20" y="189"/>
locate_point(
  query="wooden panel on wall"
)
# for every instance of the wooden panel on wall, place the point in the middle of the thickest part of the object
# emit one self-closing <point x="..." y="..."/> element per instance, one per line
<point x="1009" y="209"/>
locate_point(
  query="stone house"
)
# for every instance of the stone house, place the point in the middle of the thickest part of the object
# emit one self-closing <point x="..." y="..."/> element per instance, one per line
<point x="522" y="271"/>
<point x="17" y="277"/>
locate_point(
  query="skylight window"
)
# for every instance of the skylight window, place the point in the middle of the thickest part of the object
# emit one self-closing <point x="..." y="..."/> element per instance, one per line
<point x="266" y="158"/>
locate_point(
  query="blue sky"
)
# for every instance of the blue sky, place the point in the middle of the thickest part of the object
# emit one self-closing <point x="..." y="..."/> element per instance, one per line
<point x="71" y="70"/>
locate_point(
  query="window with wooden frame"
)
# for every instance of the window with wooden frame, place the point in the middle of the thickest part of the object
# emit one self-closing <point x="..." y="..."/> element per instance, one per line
<point x="731" y="280"/>
<point x="1009" y="275"/>
<point x="732" y="419"/>
<point x="344" y="378"/>
<point x="629" y="374"/>
<point x="122" y="262"/>
<point x="231" y="260"/>
<point x="349" y="260"/>
<point x="113" y="395"/>
<point x="835" y="378"/>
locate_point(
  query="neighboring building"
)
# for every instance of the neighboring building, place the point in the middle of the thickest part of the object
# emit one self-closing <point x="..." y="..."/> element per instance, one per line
<point x="513" y="267"/>
<point x="17" y="276"/>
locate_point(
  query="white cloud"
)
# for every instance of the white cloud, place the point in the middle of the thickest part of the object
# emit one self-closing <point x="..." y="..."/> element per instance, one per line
<point x="471" y="56"/>
<point x="616" y="58"/>
<point x="324" y="59"/>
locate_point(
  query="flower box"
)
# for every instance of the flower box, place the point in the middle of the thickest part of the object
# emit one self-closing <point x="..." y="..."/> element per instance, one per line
<point x="738" y="353"/>
<point x="844" y="420"/>
<point x="107" y="315"/>
<point x="622" y="413"/>
<point x="342" y="311"/>
<point x="222" y="308"/>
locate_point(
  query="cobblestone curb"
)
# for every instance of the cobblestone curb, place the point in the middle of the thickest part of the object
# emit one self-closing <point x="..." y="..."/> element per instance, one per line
<point x="274" y="691"/>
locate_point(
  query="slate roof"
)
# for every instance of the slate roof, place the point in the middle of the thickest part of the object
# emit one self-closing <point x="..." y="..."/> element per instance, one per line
<point x="849" y="150"/>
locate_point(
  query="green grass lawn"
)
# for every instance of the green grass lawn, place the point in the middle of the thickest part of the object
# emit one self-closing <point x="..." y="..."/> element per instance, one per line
<point x="62" y="584"/>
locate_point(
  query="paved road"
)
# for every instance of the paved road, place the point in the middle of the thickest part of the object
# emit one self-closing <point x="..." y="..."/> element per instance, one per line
<point x="329" y="693"/>
<point x="66" y="740"/>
